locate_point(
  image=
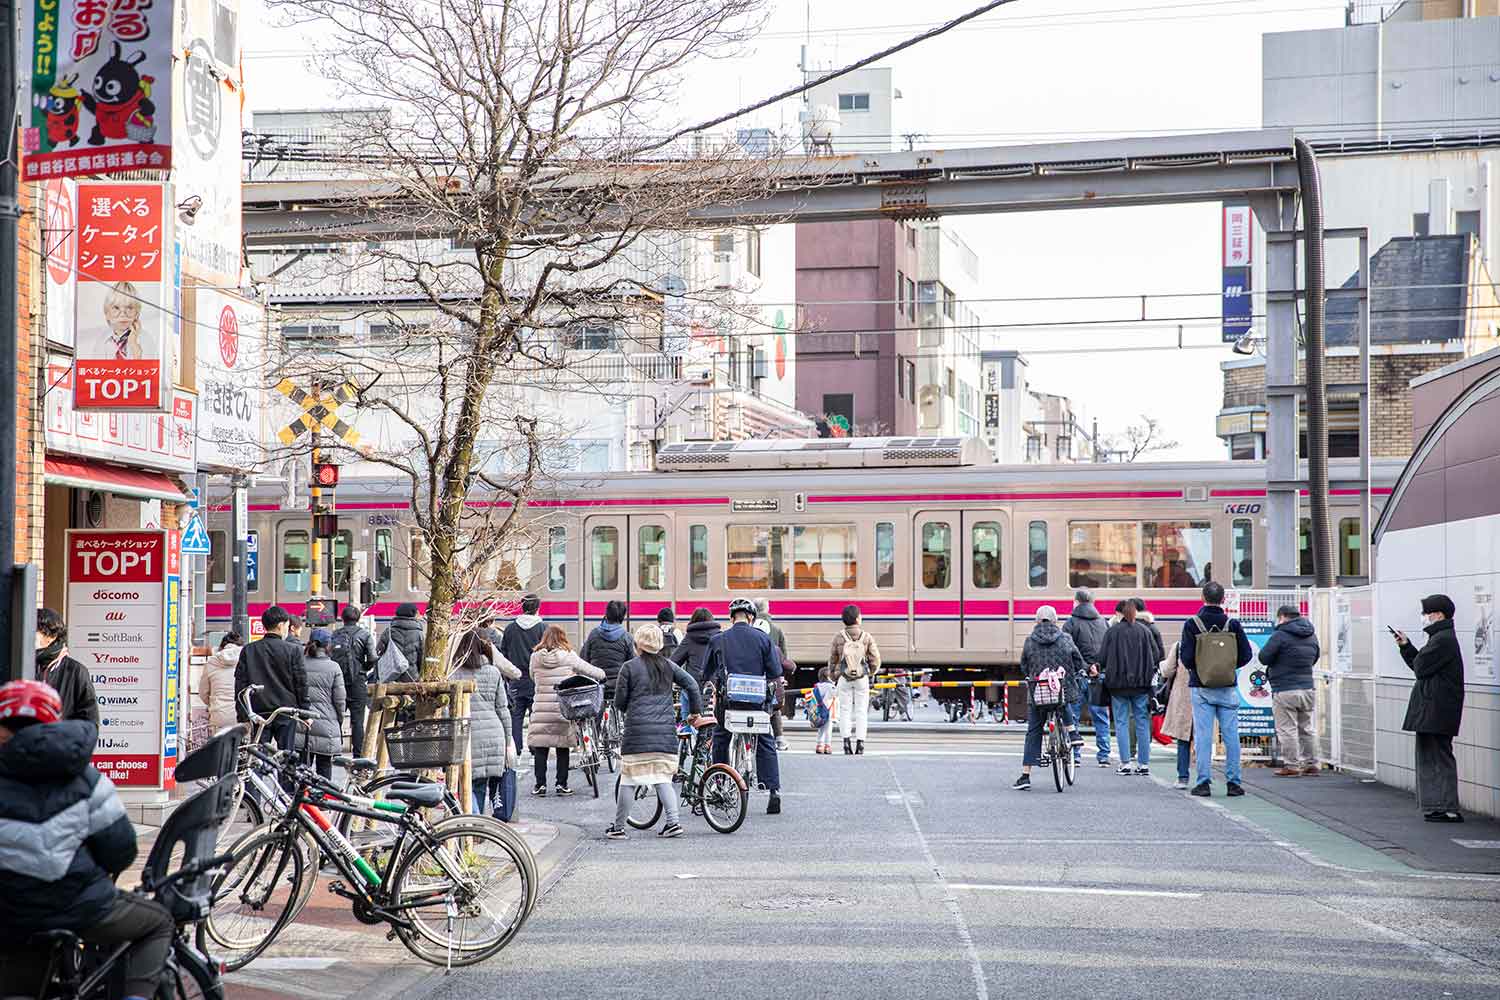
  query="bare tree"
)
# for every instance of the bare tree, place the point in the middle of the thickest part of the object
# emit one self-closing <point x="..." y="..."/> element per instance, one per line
<point x="1137" y="440"/>
<point x="525" y="134"/>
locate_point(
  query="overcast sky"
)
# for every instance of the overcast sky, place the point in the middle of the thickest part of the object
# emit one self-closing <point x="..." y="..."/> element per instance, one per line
<point x="1033" y="72"/>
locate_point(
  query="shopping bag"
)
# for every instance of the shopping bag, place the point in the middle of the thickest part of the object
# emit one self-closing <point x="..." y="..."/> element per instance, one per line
<point x="505" y="802"/>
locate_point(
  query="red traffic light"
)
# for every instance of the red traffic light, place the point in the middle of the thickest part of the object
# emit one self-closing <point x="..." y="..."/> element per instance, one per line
<point x="325" y="475"/>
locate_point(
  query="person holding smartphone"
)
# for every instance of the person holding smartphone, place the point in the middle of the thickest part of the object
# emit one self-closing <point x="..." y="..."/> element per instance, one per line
<point x="1436" y="708"/>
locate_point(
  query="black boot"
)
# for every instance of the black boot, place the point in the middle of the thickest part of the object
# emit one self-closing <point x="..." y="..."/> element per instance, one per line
<point x="859" y="748"/>
<point x="848" y="748"/>
<point x="773" y="807"/>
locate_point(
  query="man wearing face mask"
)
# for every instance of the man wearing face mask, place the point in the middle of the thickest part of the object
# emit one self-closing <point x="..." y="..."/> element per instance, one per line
<point x="1435" y="709"/>
<point x="60" y="671"/>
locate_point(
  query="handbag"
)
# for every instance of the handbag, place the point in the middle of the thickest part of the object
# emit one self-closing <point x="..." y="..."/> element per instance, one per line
<point x="1098" y="693"/>
<point x="392" y="664"/>
<point x="505" y="801"/>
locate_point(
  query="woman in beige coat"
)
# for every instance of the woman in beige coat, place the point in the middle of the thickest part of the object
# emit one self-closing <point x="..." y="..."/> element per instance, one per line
<point x="1178" y="722"/>
<point x="552" y="662"/>
<point x="216" y="684"/>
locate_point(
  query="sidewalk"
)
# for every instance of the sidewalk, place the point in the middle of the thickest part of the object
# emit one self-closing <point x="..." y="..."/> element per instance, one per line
<point x="1383" y="819"/>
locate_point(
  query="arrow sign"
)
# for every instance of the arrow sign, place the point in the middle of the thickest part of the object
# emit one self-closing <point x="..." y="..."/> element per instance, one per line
<point x="195" y="539"/>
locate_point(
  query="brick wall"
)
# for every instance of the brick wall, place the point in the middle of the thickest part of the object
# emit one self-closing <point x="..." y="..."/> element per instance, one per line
<point x="1390" y="393"/>
<point x="31" y="341"/>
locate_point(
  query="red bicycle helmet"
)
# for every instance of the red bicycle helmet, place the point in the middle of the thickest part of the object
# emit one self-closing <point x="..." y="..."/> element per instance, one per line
<point x="29" y="701"/>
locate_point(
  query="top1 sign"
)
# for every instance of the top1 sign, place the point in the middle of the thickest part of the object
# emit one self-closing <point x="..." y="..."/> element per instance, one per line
<point x="119" y="557"/>
<point x="1237" y="235"/>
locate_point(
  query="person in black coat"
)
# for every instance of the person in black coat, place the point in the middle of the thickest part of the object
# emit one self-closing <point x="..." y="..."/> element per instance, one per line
<point x="1289" y="657"/>
<point x="276" y="665"/>
<point x="406" y="631"/>
<point x="54" y="667"/>
<point x="517" y="644"/>
<point x="693" y="648"/>
<point x="1436" y="709"/>
<point x="608" y="646"/>
<point x="666" y="620"/>
<point x="1128" y="663"/>
<point x="1086" y="627"/>
<point x="1049" y="648"/>
<point x="742" y="650"/>
<point x="353" y="649"/>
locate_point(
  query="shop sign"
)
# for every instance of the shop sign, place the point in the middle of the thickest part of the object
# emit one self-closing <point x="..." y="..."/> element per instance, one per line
<point x="164" y="441"/>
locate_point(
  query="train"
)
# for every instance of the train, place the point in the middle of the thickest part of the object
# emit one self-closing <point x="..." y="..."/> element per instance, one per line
<point x="947" y="555"/>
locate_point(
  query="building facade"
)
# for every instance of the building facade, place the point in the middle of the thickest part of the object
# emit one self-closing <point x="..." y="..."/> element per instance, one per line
<point x="1022" y="425"/>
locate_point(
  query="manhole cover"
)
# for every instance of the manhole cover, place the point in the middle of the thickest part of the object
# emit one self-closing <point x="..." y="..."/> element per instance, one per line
<point x="796" y="902"/>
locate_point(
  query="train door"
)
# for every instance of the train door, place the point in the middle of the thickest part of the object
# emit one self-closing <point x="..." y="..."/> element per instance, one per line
<point x="293" y="563"/>
<point x="961" y="597"/>
<point x="651" y="584"/>
<point x="606" y="570"/>
<point x="626" y="558"/>
<point x="986" y="585"/>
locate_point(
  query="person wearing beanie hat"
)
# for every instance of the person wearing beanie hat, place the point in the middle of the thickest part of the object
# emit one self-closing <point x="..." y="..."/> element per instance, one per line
<point x="1047" y="650"/>
<point x="327" y="696"/>
<point x="667" y="619"/>
<point x="406" y="631"/>
<point x="1436" y="708"/>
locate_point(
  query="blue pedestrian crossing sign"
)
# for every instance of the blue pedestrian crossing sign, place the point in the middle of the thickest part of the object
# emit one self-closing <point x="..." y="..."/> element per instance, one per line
<point x="194" y="538"/>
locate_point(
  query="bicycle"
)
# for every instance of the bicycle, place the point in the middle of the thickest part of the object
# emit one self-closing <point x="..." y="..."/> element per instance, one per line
<point x="429" y="885"/>
<point x="75" y="970"/>
<point x="1056" y="745"/>
<point x="716" y="792"/>
<point x="581" y="701"/>
<point x="745" y="729"/>
<point x="611" y="735"/>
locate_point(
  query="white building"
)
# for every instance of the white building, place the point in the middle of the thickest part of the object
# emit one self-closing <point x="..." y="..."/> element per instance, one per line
<point x="948" y="355"/>
<point x="1021" y="425"/>
<point x="851" y="114"/>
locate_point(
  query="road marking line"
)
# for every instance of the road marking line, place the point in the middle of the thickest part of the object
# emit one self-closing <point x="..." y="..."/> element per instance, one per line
<point x="1021" y="841"/>
<point x="285" y="963"/>
<point x="981" y="990"/>
<point x="1078" y="890"/>
<point x="1478" y="845"/>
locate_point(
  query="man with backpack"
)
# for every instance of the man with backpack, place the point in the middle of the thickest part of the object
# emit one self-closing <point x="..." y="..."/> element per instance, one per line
<point x="1214" y="647"/>
<point x="854" y="660"/>
<point x="353" y="649"/>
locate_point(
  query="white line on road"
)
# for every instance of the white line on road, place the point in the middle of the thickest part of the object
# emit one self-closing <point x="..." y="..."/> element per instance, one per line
<point x="1072" y="890"/>
<point x="981" y="990"/>
<point x="1022" y="841"/>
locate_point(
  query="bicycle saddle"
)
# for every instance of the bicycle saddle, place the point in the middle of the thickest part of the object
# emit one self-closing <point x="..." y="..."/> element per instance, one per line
<point x="356" y="763"/>
<point x="430" y="794"/>
<point x="53" y="939"/>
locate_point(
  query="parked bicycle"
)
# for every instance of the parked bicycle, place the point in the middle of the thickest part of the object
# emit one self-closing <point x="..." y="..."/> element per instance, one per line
<point x="581" y="701"/>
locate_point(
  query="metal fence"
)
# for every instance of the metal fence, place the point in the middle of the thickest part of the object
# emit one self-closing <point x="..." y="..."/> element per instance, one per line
<point x="1256" y="610"/>
<point x="1345" y="720"/>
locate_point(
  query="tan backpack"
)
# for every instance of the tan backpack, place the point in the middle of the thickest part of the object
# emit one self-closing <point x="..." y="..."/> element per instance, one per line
<point x="856" y="653"/>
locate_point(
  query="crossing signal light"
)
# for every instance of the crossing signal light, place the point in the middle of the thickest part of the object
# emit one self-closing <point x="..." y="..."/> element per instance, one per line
<point x="325" y="475"/>
<point x="326" y="525"/>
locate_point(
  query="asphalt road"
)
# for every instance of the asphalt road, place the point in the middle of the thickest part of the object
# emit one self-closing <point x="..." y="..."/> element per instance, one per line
<point x="915" y="871"/>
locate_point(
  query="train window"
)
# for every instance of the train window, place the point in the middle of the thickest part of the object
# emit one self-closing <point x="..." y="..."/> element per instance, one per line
<point x="252" y="562"/>
<point x="698" y="557"/>
<point x="885" y="554"/>
<point x="342" y="543"/>
<point x="218" y="561"/>
<point x="296" y="562"/>
<point x="383" y="571"/>
<point x="1036" y="554"/>
<point x="1349" y="547"/>
<point x="937" y="555"/>
<point x="557" y="558"/>
<point x="824" y="557"/>
<point x="421" y="566"/>
<point x="604" y="557"/>
<point x="757" y="557"/>
<point x="1176" y="553"/>
<point x="651" y="557"/>
<point x="1242" y="553"/>
<point x="984" y="539"/>
<point x="1102" y="553"/>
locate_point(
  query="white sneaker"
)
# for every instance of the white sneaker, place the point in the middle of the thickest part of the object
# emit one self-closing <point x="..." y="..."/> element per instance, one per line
<point x="781" y="743"/>
<point x="1181" y="784"/>
<point x="1142" y="769"/>
<point x="1125" y="769"/>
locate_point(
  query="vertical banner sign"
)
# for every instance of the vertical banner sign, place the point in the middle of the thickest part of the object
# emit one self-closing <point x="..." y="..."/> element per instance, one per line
<point x="1256" y="718"/>
<point x="117" y="616"/>
<point x="1237" y="309"/>
<point x="100" y="88"/>
<point x="1237" y="235"/>
<point x="172" y="672"/>
<point x="206" y="122"/>
<point x="121" y="299"/>
<point x="60" y="234"/>
<point x="231" y="335"/>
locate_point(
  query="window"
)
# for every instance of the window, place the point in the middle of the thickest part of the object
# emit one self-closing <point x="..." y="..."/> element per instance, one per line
<point x="311" y="335"/>
<point x="950" y="384"/>
<point x="343" y="545"/>
<point x="698" y="557"/>
<point x="421" y="566"/>
<point x="900" y="293"/>
<point x="752" y="251"/>
<point x="1465" y="222"/>
<point x="218" y="561"/>
<point x="854" y="102"/>
<point x="757" y="557"/>
<point x="604" y="557"/>
<point x="901" y="376"/>
<point x="1242" y="446"/>
<point x="1102" y="553"/>
<point x="1242" y="553"/>
<point x="252" y="562"/>
<point x="557" y="558"/>
<point x="1175" y="553"/>
<point x="1419" y="224"/>
<point x="911" y="234"/>
<point x="383" y="570"/>
<point x="1304" y="547"/>
<point x="840" y="404"/>
<point x="885" y="554"/>
<point x="823" y="557"/>
<point x="592" y="337"/>
<point x="734" y="366"/>
<point x="1033" y="449"/>
<point x="651" y="557"/>
<point x="296" y="562"/>
<point x="724" y="243"/>
<point x="950" y="303"/>
<point x="911" y="297"/>
<point x="937" y="555"/>
<point x="984" y="540"/>
<point x="1036" y="551"/>
<point x="911" y="381"/>
<point x="1349" y="546"/>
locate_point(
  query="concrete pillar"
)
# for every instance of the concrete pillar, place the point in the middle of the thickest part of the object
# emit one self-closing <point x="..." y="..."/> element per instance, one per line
<point x="1281" y="394"/>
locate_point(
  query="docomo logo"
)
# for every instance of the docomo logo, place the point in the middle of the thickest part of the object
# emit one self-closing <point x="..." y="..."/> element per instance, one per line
<point x="116" y="595"/>
<point x="134" y="385"/>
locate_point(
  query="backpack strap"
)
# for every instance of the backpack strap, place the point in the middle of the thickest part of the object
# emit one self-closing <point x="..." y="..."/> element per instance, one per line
<point x="1202" y="628"/>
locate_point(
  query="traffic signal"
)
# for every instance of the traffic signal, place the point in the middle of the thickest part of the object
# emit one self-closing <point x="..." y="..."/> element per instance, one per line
<point x="325" y="475"/>
<point x="326" y="525"/>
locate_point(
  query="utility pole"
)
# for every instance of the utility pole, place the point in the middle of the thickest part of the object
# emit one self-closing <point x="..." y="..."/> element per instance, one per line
<point x="315" y="493"/>
<point x="12" y="632"/>
<point x="239" y="525"/>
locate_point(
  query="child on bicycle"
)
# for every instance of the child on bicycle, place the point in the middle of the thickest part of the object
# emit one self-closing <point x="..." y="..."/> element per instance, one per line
<point x="1049" y="658"/>
<point x="68" y="838"/>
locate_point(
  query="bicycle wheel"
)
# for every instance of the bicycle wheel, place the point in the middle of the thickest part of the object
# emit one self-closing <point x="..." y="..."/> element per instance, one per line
<point x="613" y="737"/>
<point x="188" y="977"/>
<point x="466" y="894"/>
<point x="588" y="759"/>
<point x="725" y="800"/>
<point x="645" y="807"/>
<point x="248" y="815"/>
<point x="1056" y="746"/>
<point x="258" y="894"/>
<point x="1070" y="766"/>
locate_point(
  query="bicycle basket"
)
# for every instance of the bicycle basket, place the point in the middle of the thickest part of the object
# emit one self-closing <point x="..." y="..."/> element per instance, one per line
<point x="737" y="721"/>
<point x="579" y="701"/>
<point x="428" y="743"/>
<point x="745" y="689"/>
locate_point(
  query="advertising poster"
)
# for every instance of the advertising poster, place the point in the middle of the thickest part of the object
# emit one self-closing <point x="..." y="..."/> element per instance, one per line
<point x="100" y="89"/>
<point x="1255" y="688"/>
<point x="165" y="441"/>
<point x="123" y="313"/>
<point x="231" y="337"/>
<point x="117" y="616"/>
<point x="207" y="124"/>
<point x="1484" y="633"/>
<point x="60" y="214"/>
<point x="1343" y="634"/>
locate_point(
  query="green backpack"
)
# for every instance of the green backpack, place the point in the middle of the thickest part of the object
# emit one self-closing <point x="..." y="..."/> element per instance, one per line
<point x="1216" y="656"/>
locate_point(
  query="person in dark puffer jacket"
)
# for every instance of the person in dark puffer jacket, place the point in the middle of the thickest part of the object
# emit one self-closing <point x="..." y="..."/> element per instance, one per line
<point x="406" y="631"/>
<point x="66" y="837"/>
<point x="608" y="646"/>
<point x="1289" y="656"/>
<point x="1047" y="648"/>
<point x="693" y="649"/>
<point x="1086" y="627"/>
<point x="648" y="751"/>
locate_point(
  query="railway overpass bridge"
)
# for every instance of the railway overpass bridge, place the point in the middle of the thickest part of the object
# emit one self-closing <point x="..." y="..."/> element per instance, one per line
<point x="332" y="204"/>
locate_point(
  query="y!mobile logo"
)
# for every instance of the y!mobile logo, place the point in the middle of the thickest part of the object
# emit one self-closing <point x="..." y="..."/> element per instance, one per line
<point x="116" y="659"/>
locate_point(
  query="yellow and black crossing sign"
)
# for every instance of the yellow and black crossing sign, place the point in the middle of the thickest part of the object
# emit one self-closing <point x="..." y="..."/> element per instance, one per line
<point x="319" y="411"/>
